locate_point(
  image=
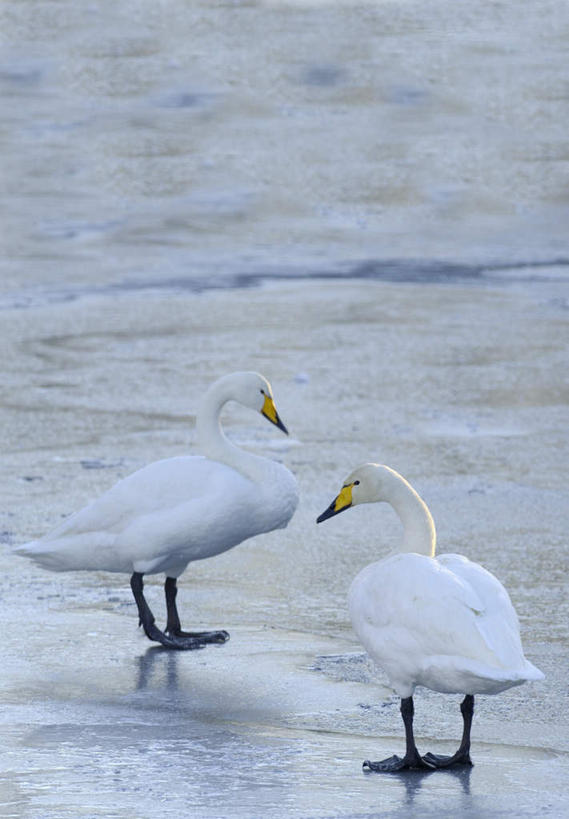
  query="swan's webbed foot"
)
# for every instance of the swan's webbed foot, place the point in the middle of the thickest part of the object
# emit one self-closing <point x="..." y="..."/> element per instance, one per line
<point x="412" y="758"/>
<point x="394" y="764"/>
<point x="171" y="641"/>
<point x="172" y="637"/>
<point x="173" y="627"/>
<point x="146" y="620"/>
<point x="462" y="756"/>
<point x="203" y="637"/>
<point x="441" y="761"/>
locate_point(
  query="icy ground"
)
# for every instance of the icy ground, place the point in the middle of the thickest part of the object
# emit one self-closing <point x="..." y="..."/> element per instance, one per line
<point x="461" y="387"/>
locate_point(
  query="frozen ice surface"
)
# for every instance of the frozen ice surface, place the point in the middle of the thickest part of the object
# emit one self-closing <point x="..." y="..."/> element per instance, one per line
<point x="144" y="141"/>
<point x="463" y="388"/>
<point x="367" y="202"/>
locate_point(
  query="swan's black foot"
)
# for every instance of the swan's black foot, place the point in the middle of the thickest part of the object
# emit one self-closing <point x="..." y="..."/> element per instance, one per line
<point x="394" y="764"/>
<point x="173" y="627"/>
<point x="440" y="761"/>
<point x="171" y="641"/>
<point x="204" y="637"/>
<point x="462" y="755"/>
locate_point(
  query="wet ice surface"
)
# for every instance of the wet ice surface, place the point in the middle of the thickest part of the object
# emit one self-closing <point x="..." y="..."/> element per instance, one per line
<point x="447" y="384"/>
<point x="386" y="186"/>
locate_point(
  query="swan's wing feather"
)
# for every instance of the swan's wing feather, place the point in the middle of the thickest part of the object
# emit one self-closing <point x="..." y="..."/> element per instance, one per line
<point x="156" y="519"/>
<point x="499" y="624"/>
<point x="491" y="592"/>
<point x="160" y="486"/>
<point x="409" y="608"/>
<point x="196" y="528"/>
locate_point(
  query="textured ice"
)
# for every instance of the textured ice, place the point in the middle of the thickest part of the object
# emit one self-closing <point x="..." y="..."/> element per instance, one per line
<point x="367" y="203"/>
<point x="98" y="722"/>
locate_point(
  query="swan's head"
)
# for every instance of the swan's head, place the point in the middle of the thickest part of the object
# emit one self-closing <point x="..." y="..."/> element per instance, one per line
<point x="254" y="391"/>
<point x="369" y="483"/>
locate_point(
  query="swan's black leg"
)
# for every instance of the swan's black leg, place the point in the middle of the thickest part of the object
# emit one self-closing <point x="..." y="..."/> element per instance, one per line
<point x="146" y="620"/>
<point x="462" y="756"/>
<point x="173" y="627"/>
<point x="412" y="759"/>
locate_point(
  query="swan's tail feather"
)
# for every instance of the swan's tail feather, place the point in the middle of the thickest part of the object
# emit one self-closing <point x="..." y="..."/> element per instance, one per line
<point x="531" y="673"/>
<point x="455" y="675"/>
<point x="49" y="555"/>
<point x="82" y="552"/>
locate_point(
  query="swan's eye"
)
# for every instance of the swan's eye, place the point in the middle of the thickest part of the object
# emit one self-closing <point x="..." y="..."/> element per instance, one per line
<point x="356" y="483"/>
<point x="262" y="392"/>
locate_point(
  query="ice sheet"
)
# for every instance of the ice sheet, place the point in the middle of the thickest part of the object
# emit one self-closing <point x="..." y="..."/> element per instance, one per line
<point x="442" y="382"/>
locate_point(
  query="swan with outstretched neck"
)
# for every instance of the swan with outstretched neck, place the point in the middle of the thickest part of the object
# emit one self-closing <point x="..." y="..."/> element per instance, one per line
<point x="441" y="622"/>
<point x="178" y="510"/>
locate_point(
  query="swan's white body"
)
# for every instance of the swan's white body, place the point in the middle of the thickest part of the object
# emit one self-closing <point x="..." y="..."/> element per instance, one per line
<point x="178" y="510"/>
<point x="445" y="623"/>
<point x="441" y="622"/>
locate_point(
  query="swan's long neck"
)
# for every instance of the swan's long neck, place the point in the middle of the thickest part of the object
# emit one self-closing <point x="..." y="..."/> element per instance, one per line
<point x="419" y="533"/>
<point x="213" y="442"/>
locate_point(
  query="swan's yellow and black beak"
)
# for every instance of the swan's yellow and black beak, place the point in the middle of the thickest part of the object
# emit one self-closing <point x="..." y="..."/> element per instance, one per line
<point x="270" y="411"/>
<point x="339" y="504"/>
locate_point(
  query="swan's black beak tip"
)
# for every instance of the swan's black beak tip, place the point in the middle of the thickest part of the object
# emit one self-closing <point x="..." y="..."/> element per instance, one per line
<point x="328" y="513"/>
<point x="280" y="425"/>
<point x="270" y="412"/>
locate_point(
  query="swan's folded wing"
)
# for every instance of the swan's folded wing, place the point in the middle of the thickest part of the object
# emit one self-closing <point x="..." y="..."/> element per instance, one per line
<point x="193" y="530"/>
<point x="410" y="608"/>
<point x="161" y="506"/>
<point x="499" y="626"/>
<point x="160" y="485"/>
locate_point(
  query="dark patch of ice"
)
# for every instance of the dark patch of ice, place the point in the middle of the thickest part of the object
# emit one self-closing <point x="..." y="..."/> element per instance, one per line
<point x="96" y="463"/>
<point x="325" y="76"/>
<point x="395" y="270"/>
<point x="20" y="75"/>
<point x="346" y="667"/>
<point x="185" y="99"/>
<point x="406" y="95"/>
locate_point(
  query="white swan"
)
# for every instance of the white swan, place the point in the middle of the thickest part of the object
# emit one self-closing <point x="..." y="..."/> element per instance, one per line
<point x="177" y="510"/>
<point x="444" y="623"/>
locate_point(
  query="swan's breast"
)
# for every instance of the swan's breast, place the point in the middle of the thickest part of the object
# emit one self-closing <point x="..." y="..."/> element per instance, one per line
<point x="277" y="497"/>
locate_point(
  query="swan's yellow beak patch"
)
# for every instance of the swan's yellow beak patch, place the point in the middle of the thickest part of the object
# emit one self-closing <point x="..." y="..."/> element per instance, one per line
<point x="340" y="502"/>
<point x="270" y="411"/>
<point x="344" y="499"/>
